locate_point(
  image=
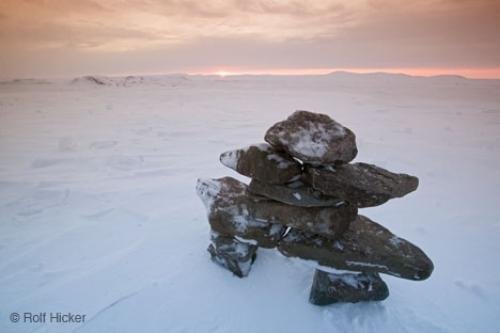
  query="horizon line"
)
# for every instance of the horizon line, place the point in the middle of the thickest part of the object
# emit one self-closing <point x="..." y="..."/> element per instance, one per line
<point x="466" y="73"/>
<point x="469" y="73"/>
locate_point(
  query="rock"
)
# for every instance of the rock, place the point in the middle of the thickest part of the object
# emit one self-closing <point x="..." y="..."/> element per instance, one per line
<point x="313" y="138"/>
<point x="295" y="194"/>
<point x="262" y="162"/>
<point x="232" y="254"/>
<point x="226" y="200"/>
<point x="362" y="184"/>
<point x="366" y="246"/>
<point x="234" y="211"/>
<point x="328" y="288"/>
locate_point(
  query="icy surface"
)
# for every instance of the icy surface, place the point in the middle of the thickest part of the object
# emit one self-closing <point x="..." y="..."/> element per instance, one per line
<point x="99" y="215"/>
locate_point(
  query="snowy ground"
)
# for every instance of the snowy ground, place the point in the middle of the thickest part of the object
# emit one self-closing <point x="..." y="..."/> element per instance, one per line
<point x="98" y="213"/>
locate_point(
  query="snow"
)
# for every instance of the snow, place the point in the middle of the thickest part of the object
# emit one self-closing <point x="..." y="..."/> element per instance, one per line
<point x="248" y="241"/>
<point x="282" y="162"/>
<point x="207" y="190"/>
<point x="275" y="229"/>
<point x="366" y="264"/>
<point x="241" y="218"/>
<point x="314" y="265"/>
<point x="396" y="241"/>
<point x="349" y="279"/>
<point x="230" y="159"/>
<point x="313" y="138"/>
<point x="311" y="141"/>
<point x="261" y="146"/>
<point x="99" y="213"/>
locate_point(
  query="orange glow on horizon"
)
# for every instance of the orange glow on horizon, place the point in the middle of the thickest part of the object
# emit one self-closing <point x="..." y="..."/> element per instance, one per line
<point x="223" y="73"/>
<point x="473" y="73"/>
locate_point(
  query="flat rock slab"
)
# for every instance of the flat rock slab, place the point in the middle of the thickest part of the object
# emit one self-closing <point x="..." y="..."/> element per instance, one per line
<point x="262" y="162"/>
<point x="362" y="184"/>
<point x="232" y="254"/>
<point x="366" y="247"/>
<point x="328" y="288"/>
<point x="313" y="138"/>
<point x="232" y="210"/>
<point x="295" y="194"/>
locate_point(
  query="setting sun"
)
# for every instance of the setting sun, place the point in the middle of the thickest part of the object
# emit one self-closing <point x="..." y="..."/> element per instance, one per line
<point x="223" y="73"/>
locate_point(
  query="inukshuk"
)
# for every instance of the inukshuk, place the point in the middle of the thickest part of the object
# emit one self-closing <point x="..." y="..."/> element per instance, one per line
<point x="303" y="198"/>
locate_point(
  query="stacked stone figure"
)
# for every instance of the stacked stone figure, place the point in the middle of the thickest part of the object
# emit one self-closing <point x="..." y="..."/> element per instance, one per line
<point x="303" y="199"/>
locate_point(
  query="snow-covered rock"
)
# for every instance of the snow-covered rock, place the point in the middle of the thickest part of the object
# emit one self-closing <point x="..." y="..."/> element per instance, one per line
<point x="262" y="162"/>
<point x="232" y="254"/>
<point x="313" y="138"/>
<point x="296" y="194"/>
<point x="362" y="184"/>
<point x="232" y="210"/>
<point x="366" y="246"/>
<point x="329" y="288"/>
<point x="229" y="212"/>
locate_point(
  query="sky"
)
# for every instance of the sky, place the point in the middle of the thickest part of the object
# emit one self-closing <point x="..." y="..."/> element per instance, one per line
<point x="66" y="38"/>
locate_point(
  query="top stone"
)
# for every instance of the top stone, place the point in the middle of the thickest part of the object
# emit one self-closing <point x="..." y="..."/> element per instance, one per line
<point x="313" y="138"/>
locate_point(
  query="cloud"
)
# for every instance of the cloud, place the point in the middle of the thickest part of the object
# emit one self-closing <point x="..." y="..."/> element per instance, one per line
<point x="449" y="33"/>
<point x="45" y="23"/>
<point x="176" y="35"/>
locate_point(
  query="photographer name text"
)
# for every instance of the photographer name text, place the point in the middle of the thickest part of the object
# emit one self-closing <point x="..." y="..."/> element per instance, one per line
<point x="47" y="317"/>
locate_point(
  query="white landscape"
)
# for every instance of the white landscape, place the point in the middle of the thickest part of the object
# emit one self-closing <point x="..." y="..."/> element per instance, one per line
<point x="99" y="214"/>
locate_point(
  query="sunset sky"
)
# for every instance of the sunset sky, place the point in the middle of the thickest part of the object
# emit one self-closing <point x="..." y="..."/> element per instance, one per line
<point x="54" y="38"/>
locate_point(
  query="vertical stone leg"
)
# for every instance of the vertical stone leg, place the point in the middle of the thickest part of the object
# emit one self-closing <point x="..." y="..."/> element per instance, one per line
<point x="232" y="254"/>
<point x="328" y="288"/>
